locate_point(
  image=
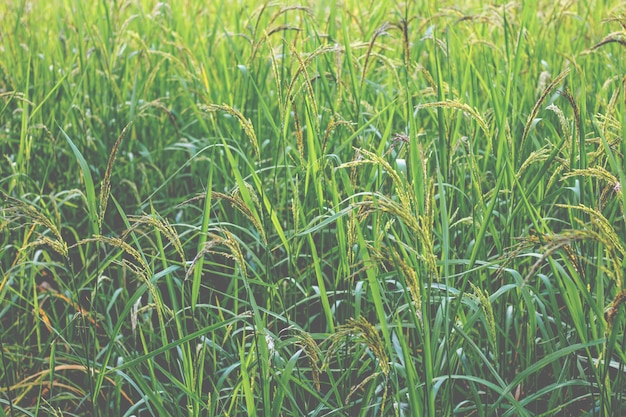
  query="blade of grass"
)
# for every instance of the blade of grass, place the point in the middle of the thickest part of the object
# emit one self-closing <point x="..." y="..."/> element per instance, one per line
<point x="90" y="191"/>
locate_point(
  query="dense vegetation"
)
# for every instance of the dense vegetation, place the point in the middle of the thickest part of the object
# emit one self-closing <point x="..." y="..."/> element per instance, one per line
<point x="215" y="208"/>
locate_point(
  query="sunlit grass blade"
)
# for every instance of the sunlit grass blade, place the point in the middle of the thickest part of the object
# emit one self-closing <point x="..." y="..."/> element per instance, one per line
<point x="90" y="191"/>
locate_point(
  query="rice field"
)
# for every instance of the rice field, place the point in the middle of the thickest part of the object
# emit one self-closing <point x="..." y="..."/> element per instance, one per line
<point x="324" y="208"/>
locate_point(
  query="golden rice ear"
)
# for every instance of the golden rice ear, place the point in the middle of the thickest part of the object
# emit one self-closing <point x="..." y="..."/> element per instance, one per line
<point x="593" y="172"/>
<point x="457" y="105"/>
<point x="613" y="308"/>
<point x="485" y="305"/>
<point x="311" y="351"/>
<point x="105" y="187"/>
<point x="363" y="332"/>
<point x="235" y="200"/>
<point x="298" y="131"/>
<point x="598" y="229"/>
<point x="615" y="37"/>
<point x="535" y="110"/>
<point x="239" y="203"/>
<point x="535" y="156"/>
<point x="20" y="212"/>
<point x="360" y="331"/>
<point x="565" y="128"/>
<point x="137" y="266"/>
<point x="403" y="191"/>
<point x="303" y="64"/>
<point x="403" y="210"/>
<point x="163" y="226"/>
<point x="56" y="245"/>
<point x="245" y="124"/>
<point x="605" y="229"/>
<point x="410" y="277"/>
<point x="407" y="271"/>
<point x="17" y="210"/>
<point x="382" y="30"/>
<point x="227" y="240"/>
<point x="302" y="69"/>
